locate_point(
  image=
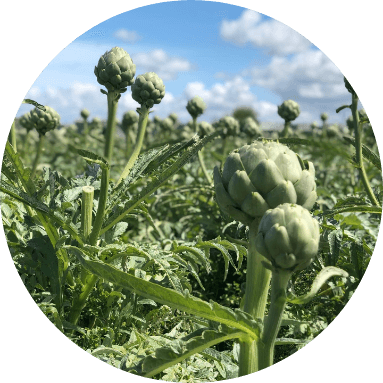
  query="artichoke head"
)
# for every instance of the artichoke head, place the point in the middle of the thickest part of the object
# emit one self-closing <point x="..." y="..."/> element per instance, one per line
<point x="205" y="128"/>
<point x="128" y="120"/>
<point x="115" y="70"/>
<point x="250" y="128"/>
<point x="289" y="110"/>
<point x="25" y="121"/>
<point x="148" y="89"/>
<point x="174" y="117"/>
<point x="324" y="117"/>
<point x="288" y="236"/>
<point x="261" y="176"/>
<point x="85" y="114"/>
<point x="167" y="124"/>
<point x="229" y="126"/>
<point x="44" y="121"/>
<point x="196" y="106"/>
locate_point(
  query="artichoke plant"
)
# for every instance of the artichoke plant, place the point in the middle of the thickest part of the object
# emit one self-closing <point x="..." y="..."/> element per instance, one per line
<point x="174" y="117"/>
<point x="196" y="106"/>
<point x="148" y="89"/>
<point x="115" y="70"/>
<point x="167" y="124"/>
<point x="44" y="121"/>
<point x="261" y="176"/>
<point x="333" y="131"/>
<point x="288" y="236"/>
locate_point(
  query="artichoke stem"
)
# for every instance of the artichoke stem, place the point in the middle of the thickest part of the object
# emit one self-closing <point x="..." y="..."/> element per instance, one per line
<point x="257" y="288"/>
<point x="113" y="97"/>
<point x="274" y="318"/>
<point x="358" y="150"/>
<point x="142" y="122"/>
<point x="286" y="130"/>
<point x="200" y="156"/>
<point x="38" y="155"/>
<point x="86" y="210"/>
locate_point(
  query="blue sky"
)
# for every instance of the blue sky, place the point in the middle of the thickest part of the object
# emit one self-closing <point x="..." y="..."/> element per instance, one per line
<point x="226" y="54"/>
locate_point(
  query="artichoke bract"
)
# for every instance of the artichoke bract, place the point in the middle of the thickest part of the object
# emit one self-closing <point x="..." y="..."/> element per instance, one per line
<point x="148" y="89"/>
<point x="250" y="127"/>
<point x="288" y="236"/>
<point x="261" y="176"/>
<point x="44" y="121"/>
<point x="115" y="70"/>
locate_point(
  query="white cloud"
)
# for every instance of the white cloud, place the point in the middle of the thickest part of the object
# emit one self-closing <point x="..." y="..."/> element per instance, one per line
<point x="127" y="36"/>
<point x="158" y="61"/>
<point x="275" y="37"/>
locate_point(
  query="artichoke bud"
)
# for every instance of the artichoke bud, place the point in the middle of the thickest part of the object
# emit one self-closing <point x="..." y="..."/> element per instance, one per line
<point x="167" y="124"/>
<point x="205" y="128"/>
<point x="229" y="126"/>
<point x="261" y="176"/>
<point x="44" y="121"/>
<point x="25" y="121"/>
<point x="289" y="110"/>
<point x="324" y="117"/>
<point x="250" y="128"/>
<point x="148" y="89"/>
<point x="288" y="236"/>
<point x="85" y="114"/>
<point x="115" y="70"/>
<point x="196" y="106"/>
<point x="174" y="117"/>
<point x="128" y="120"/>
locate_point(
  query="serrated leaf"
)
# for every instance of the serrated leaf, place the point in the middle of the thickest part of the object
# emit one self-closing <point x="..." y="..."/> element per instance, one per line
<point x="93" y="158"/>
<point x="183" y="302"/>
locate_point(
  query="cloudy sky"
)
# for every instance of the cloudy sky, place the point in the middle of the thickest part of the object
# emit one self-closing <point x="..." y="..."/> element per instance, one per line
<point x="228" y="55"/>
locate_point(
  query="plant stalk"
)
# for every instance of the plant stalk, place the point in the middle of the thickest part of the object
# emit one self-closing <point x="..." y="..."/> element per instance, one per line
<point x="38" y="155"/>
<point x="86" y="210"/>
<point x="257" y="288"/>
<point x="200" y="156"/>
<point x="286" y="130"/>
<point x="142" y="122"/>
<point x="274" y="318"/>
<point x="112" y="97"/>
<point x="358" y="150"/>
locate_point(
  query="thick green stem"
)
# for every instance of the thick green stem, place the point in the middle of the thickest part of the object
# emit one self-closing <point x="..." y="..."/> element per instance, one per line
<point x="274" y="318"/>
<point x="200" y="156"/>
<point x="286" y="130"/>
<point x="113" y="97"/>
<point x="142" y="122"/>
<point x="40" y="146"/>
<point x="358" y="147"/>
<point x="257" y="287"/>
<point x="101" y="206"/>
<point x="86" y="210"/>
<point x="127" y="144"/>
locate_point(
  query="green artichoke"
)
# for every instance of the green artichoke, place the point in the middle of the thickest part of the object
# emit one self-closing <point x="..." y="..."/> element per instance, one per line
<point x="205" y="128"/>
<point x="148" y="89"/>
<point x="250" y="128"/>
<point x="261" y="176"/>
<point x="174" y="117"/>
<point x="44" y="121"/>
<point x="167" y="124"/>
<point x="314" y="125"/>
<point x="25" y="121"/>
<point x="229" y="126"/>
<point x="324" y="117"/>
<point x="333" y="131"/>
<point x="196" y="106"/>
<point x="115" y="70"/>
<point x="288" y="236"/>
<point x="289" y="110"/>
<point x="85" y="114"/>
<point x="96" y="123"/>
<point x="128" y="120"/>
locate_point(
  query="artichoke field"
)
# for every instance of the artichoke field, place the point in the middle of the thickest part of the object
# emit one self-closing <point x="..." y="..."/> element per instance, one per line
<point x="197" y="251"/>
